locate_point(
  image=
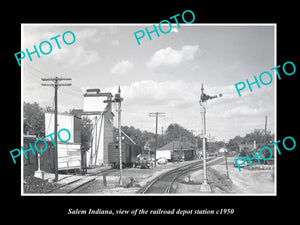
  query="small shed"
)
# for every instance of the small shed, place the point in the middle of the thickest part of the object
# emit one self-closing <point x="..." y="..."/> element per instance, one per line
<point x="30" y="164"/>
<point x="175" y="150"/>
<point x="69" y="156"/>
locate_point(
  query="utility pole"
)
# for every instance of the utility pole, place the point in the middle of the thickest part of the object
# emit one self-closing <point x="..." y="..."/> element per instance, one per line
<point x="120" y="136"/>
<point x="162" y="135"/>
<point x="197" y="147"/>
<point x="118" y="100"/>
<point x="266" y="121"/>
<point x="205" y="187"/>
<point x="266" y="141"/>
<point x="55" y="84"/>
<point x="196" y="144"/>
<point x="156" y="115"/>
<point x="147" y="148"/>
<point x="225" y="154"/>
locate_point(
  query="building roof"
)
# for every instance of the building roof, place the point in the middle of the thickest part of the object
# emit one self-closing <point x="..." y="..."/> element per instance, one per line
<point x="177" y="145"/>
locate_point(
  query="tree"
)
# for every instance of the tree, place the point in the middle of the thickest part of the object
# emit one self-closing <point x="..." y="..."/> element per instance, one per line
<point x="138" y="136"/>
<point x="233" y="144"/>
<point x="173" y="132"/>
<point x="177" y="132"/>
<point x="258" y="135"/>
<point x="34" y="119"/>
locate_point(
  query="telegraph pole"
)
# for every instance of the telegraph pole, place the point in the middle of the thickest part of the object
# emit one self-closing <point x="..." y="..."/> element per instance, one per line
<point x="156" y="115"/>
<point x="55" y="84"/>
<point x="203" y="98"/>
<point x="266" y="122"/>
<point x="162" y="135"/>
<point x="119" y="100"/>
<point x="266" y="141"/>
<point x="196" y="147"/>
<point x="225" y="154"/>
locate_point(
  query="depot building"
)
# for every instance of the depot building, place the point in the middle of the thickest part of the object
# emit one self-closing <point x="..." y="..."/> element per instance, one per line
<point x="177" y="150"/>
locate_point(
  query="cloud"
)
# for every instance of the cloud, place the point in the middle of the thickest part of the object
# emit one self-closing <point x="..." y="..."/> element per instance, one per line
<point x="172" y="57"/>
<point x="86" y="34"/>
<point x="174" y="29"/>
<point x="155" y="93"/>
<point x="96" y="34"/>
<point x="114" y="43"/>
<point x="90" y="57"/>
<point x="172" y="95"/>
<point x="227" y="116"/>
<point x="177" y="98"/>
<point x="122" y="67"/>
<point x="243" y="111"/>
<point x="76" y="57"/>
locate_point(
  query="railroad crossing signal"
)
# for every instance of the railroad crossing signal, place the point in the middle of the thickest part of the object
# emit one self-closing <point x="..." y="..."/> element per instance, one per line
<point x="119" y="100"/>
<point x="203" y="98"/>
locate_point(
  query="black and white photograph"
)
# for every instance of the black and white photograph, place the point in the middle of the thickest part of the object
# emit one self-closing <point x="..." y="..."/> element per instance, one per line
<point x="149" y="109"/>
<point x="138" y="112"/>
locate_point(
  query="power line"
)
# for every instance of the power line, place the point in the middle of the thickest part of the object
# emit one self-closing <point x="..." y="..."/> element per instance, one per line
<point x="33" y="74"/>
<point x="47" y="129"/>
<point x="37" y="70"/>
<point x="37" y="74"/>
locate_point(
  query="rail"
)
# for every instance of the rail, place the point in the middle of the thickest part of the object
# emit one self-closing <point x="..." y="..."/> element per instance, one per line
<point x="164" y="175"/>
<point x="78" y="183"/>
<point x="168" y="178"/>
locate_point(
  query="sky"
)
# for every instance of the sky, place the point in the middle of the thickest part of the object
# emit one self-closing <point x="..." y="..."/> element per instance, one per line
<point x="160" y="75"/>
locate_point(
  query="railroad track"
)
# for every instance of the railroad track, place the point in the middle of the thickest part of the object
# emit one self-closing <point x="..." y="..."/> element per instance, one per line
<point x="78" y="183"/>
<point x="163" y="183"/>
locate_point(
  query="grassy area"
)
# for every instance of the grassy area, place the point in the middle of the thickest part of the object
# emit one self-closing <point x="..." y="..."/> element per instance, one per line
<point x="218" y="181"/>
<point x="37" y="185"/>
<point x="191" y="183"/>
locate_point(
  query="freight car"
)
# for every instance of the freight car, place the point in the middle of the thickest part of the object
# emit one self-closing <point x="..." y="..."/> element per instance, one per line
<point x="129" y="154"/>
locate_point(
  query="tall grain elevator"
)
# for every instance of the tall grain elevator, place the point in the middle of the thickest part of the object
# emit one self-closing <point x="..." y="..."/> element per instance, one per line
<point x="102" y="118"/>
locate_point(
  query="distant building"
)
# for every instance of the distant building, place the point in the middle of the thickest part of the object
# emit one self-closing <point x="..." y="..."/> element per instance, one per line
<point x="247" y="147"/>
<point x="177" y="150"/>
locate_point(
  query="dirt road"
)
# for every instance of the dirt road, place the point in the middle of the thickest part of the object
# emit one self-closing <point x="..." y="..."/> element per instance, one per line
<point x="248" y="181"/>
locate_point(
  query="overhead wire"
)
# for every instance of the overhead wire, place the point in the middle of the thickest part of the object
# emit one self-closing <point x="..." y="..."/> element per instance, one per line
<point x="36" y="73"/>
<point x="77" y="85"/>
<point x="44" y="74"/>
<point x="50" y="117"/>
